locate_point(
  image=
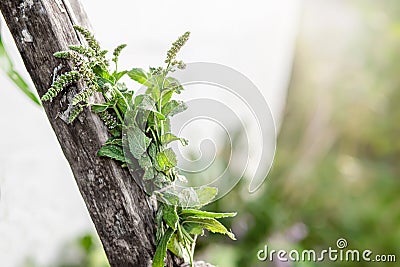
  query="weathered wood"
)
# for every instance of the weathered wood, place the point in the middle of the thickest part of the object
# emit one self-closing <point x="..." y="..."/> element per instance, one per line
<point x="121" y="212"/>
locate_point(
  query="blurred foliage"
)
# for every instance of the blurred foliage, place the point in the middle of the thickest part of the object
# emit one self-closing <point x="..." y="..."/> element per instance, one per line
<point x="336" y="170"/>
<point x="7" y="66"/>
<point x="85" y="251"/>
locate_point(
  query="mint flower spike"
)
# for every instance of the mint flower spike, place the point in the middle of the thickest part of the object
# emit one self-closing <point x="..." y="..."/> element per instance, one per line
<point x="89" y="37"/>
<point x="60" y="83"/>
<point x="176" y="47"/>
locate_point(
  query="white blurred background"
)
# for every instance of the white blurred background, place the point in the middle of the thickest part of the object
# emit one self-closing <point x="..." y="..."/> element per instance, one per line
<point x="40" y="206"/>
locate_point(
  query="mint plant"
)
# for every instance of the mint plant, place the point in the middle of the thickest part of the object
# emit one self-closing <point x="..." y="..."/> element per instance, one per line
<point x="140" y="131"/>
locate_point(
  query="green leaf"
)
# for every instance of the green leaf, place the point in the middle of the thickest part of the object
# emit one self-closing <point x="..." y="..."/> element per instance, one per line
<point x="148" y="174"/>
<point x="101" y="81"/>
<point x="138" y="75"/>
<point x="118" y="75"/>
<point x="185" y="235"/>
<point x="147" y="166"/>
<point x="161" y="251"/>
<point x="7" y="66"/>
<point x="166" y="159"/>
<point x="97" y="108"/>
<point x="167" y="197"/>
<point x="145" y="161"/>
<point x="173" y="107"/>
<point x="167" y="125"/>
<point x="155" y="87"/>
<point x="112" y="151"/>
<point x="206" y="194"/>
<point x="129" y="97"/>
<point x="153" y="151"/>
<point x="178" y="248"/>
<point x="114" y="141"/>
<point x="122" y="105"/>
<point x="206" y="214"/>
<point x="145" y="102"/>
<point x="170" y="216"/>
<point x="166" y="96"/>
<point x="169" y="137"/>
<point x="210" y="224"/>
<point x="159" y="223"/>
<point x="137" y="141"/>
<point x="173" y="84"/>
<point x="193" y="228"/>
<point x="188" y="198"/>
<point x="122" y="87"/>
<point x="103" y="73"/>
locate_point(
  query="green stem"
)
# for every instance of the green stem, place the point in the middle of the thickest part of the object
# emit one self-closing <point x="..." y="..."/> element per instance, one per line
<point x="160" y="100"/>
<point x="190" y="256"/>
<point x="118" y="114"/>
<point x="193" y="246"/>
<point x="123" y="98"/>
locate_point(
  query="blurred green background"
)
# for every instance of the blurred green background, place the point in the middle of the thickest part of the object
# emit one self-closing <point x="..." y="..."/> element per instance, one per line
<point x="336" y="173"/>
<point x="336" y="170"/>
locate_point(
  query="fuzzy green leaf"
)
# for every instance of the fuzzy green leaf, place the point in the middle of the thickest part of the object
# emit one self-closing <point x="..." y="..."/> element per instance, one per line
<point x="169" y="137"/>
<point x="161" y="251"/>
<point x="166" y="159"/>
<point x="162" y="181"/>
<point x="138" y="75"/>
<point x="206" y="194"/>
<point x="112" y="151"/>
<point x="145" y="161"/>
<point x="148" y="174"/>
<point x="145" y="102"/>
<point x="103" y="73"/>
<point x="210" y="224"/>
<point x="101" y="82"/>
<point x="154" y="92"/>
<point x="206" y="214"/>
<point x="7" y="66"/>
<point x="188" y="198"/>
<point x="193" y="228"/>
<point x="123" y="88"/>
<point x="152" y="151"/>
<point x="170" y="216"/>
<point x="176" y="247"/>
<point x="173" y="84"/>
<point x="166" y="96"/>
<point x="138" y="142"/>
<point x="169" y="198"/>
<point x="147" y="166"/>
<point x="114" y="141"/>
<point x="173" y="107"/>
<point x="129" y="97"/>
<point x="97" y="108"/>
<point x="122" y="105"/>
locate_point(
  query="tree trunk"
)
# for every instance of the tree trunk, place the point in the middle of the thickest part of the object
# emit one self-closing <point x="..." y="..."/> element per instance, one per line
<point x="122" y="213"/>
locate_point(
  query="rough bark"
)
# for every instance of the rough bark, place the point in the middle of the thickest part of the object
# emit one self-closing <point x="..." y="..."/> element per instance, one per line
<point x="120" y="210"/>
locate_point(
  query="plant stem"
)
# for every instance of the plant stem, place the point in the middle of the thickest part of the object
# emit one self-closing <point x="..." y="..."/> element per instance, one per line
<point x="118" y="114"/>
<point x="193" y="246"/>
<point x="123" y="97"/>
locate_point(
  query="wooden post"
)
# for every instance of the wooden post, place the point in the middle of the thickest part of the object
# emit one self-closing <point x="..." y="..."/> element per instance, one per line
<point x="120" y="210"/>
